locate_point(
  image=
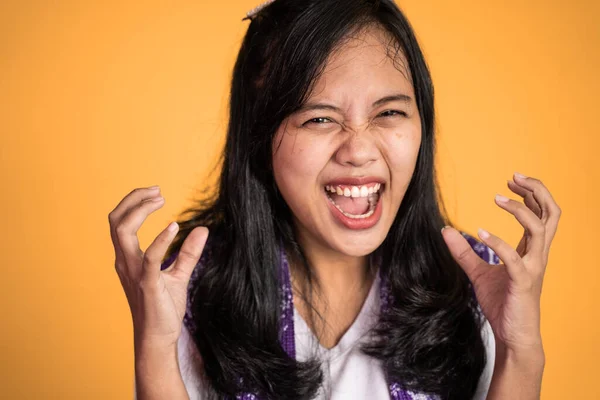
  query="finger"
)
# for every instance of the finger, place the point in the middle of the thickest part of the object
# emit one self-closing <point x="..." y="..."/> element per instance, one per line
<point x="190" y="252"/>
<point x="156" y="252"/>
<point x="463" y="253"/>
<point x="126" y="230"/>
<point x="550" y="210"/>
<point x="132" y="199"/>
<point x="527" y="196"/>
<point x="522" y="246"/>
<point x="520" y="190"/>
<point x="514" y="263"/>
<point x="534" y="227"/>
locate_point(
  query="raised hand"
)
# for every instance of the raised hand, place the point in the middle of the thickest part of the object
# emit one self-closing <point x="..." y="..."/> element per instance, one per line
<point x="509" y="293"/>
<point x="157" y="299"/>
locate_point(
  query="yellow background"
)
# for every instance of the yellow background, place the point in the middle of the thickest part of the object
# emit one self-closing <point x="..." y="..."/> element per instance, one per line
<point x="100" y="97"/>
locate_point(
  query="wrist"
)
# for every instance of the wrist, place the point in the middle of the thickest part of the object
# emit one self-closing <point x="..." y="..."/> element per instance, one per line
<point x="148" y="341"/>
<point x="529" y="359"/>
<point x="157" y="372"/>
<point x="153" y="360"/>
<point x="149" y="347"/>
<point x="517" y="373"/>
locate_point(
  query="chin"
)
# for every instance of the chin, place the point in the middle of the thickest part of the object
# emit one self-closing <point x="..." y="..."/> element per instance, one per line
<point x="359" y="246"/>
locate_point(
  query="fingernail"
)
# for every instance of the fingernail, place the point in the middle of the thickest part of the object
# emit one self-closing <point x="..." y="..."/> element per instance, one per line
<point x="157" y="199"/>
<point x="483" y="234"/>
<point x="501" y="199"/>
<point x="521" y="176"/>
<point x="153" y="187"/>
<point x="172" y="226"/>
<point x="447" y="226"/>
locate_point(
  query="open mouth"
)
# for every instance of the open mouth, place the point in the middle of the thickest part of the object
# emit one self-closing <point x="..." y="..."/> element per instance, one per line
<point x="356" y="202"/>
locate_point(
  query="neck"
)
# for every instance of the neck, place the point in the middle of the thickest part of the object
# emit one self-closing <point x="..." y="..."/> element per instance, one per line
<point x="340" y="285"/>
<point x="336" y="275"/>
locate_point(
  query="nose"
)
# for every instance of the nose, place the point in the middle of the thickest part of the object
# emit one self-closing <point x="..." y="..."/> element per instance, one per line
<point x="357" y="150"/>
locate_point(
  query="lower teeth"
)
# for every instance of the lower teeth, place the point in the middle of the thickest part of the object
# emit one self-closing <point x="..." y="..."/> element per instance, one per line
<point x="361" y="216"/>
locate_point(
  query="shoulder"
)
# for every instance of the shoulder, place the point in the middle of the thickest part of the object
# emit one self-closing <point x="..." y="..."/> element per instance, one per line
<point x="483" y="251"/>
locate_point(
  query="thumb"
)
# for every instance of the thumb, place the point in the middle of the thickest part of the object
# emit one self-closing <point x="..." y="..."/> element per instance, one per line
<point x="190" y="252"/>
<point x="462" y="251"/>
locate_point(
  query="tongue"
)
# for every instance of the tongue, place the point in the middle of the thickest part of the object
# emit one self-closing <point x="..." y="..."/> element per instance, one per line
<point x="351" y="205"/>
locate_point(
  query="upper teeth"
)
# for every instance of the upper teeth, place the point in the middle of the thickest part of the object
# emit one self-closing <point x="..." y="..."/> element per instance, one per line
<point x="353" y="191"/>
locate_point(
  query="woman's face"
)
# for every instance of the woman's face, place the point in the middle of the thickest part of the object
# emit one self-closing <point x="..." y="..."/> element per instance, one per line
<point x="344" y="161"/>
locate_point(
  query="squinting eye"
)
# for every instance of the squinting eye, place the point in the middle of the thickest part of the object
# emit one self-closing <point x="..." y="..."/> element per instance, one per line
<point x="391" y="113"/>
<point x="318" y="120"/>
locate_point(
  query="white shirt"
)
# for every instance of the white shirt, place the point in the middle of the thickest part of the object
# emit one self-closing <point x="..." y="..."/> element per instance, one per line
<point x="348" y="373"/>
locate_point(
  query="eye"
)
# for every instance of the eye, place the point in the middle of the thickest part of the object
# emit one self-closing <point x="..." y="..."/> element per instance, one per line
<point x="318" y="121"/>
<point x="391" y="113"/>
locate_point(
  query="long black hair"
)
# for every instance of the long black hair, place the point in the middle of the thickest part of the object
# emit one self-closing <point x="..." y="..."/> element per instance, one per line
<point x="429" y="340"/>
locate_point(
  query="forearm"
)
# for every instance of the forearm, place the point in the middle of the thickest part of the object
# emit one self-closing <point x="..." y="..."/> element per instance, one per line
<point x="157" y="374"/>
<point x="517" y="375"/>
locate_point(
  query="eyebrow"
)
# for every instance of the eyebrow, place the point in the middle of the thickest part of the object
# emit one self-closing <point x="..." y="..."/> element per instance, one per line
<point x="383" y="100"/>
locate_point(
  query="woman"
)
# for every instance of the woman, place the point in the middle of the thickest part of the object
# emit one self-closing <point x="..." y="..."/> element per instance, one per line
<point x="325" y="274"/>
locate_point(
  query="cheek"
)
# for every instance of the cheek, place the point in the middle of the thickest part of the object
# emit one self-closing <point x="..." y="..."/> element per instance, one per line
<point x="297" y="164"/>
<point x="402" y="151"/>
<point x="404" y="148"/>
<point x="297" y="161"/>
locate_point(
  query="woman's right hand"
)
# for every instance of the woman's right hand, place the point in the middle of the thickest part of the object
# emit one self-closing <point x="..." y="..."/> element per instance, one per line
<point x="157" y="299"/>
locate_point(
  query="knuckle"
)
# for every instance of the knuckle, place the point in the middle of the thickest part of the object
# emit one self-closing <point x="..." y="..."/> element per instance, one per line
<point x="121" y="229"/>
<point x="522" y="211"/>
<point x="145" y="286"/>
<point x="148" y="204"/>
<point x="529" y="196"/>
<point x="119" y="269"/>
<point x="536" y="191"/>
<point x="515" y="258"/>
<point x="149" y="257"/>
<point x="536" y="181"/>
<point x="164" y="237"/>
<point x="187" y="253"/>
<point x="122" y="272"/>
<point x="463" y="254"/>
<point x="538" y="228"/>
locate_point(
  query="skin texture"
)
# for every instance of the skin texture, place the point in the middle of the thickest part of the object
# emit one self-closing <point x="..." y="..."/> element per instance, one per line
<point x="157" y="299"/>
<point x="509" y="293"/>
<point x="310" y="149"/>
<point x="313" y="147"/>
<point x="356" y="139"/>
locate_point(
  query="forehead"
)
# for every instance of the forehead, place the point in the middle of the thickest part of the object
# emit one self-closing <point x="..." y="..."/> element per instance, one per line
<point x="367" y="61"/>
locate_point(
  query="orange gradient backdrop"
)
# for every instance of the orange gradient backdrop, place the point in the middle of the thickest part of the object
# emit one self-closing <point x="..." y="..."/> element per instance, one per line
<point x="100" y="97"/>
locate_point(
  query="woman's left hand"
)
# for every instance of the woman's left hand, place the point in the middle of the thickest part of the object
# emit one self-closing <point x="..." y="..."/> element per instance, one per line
<point x="509" y="293"/>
